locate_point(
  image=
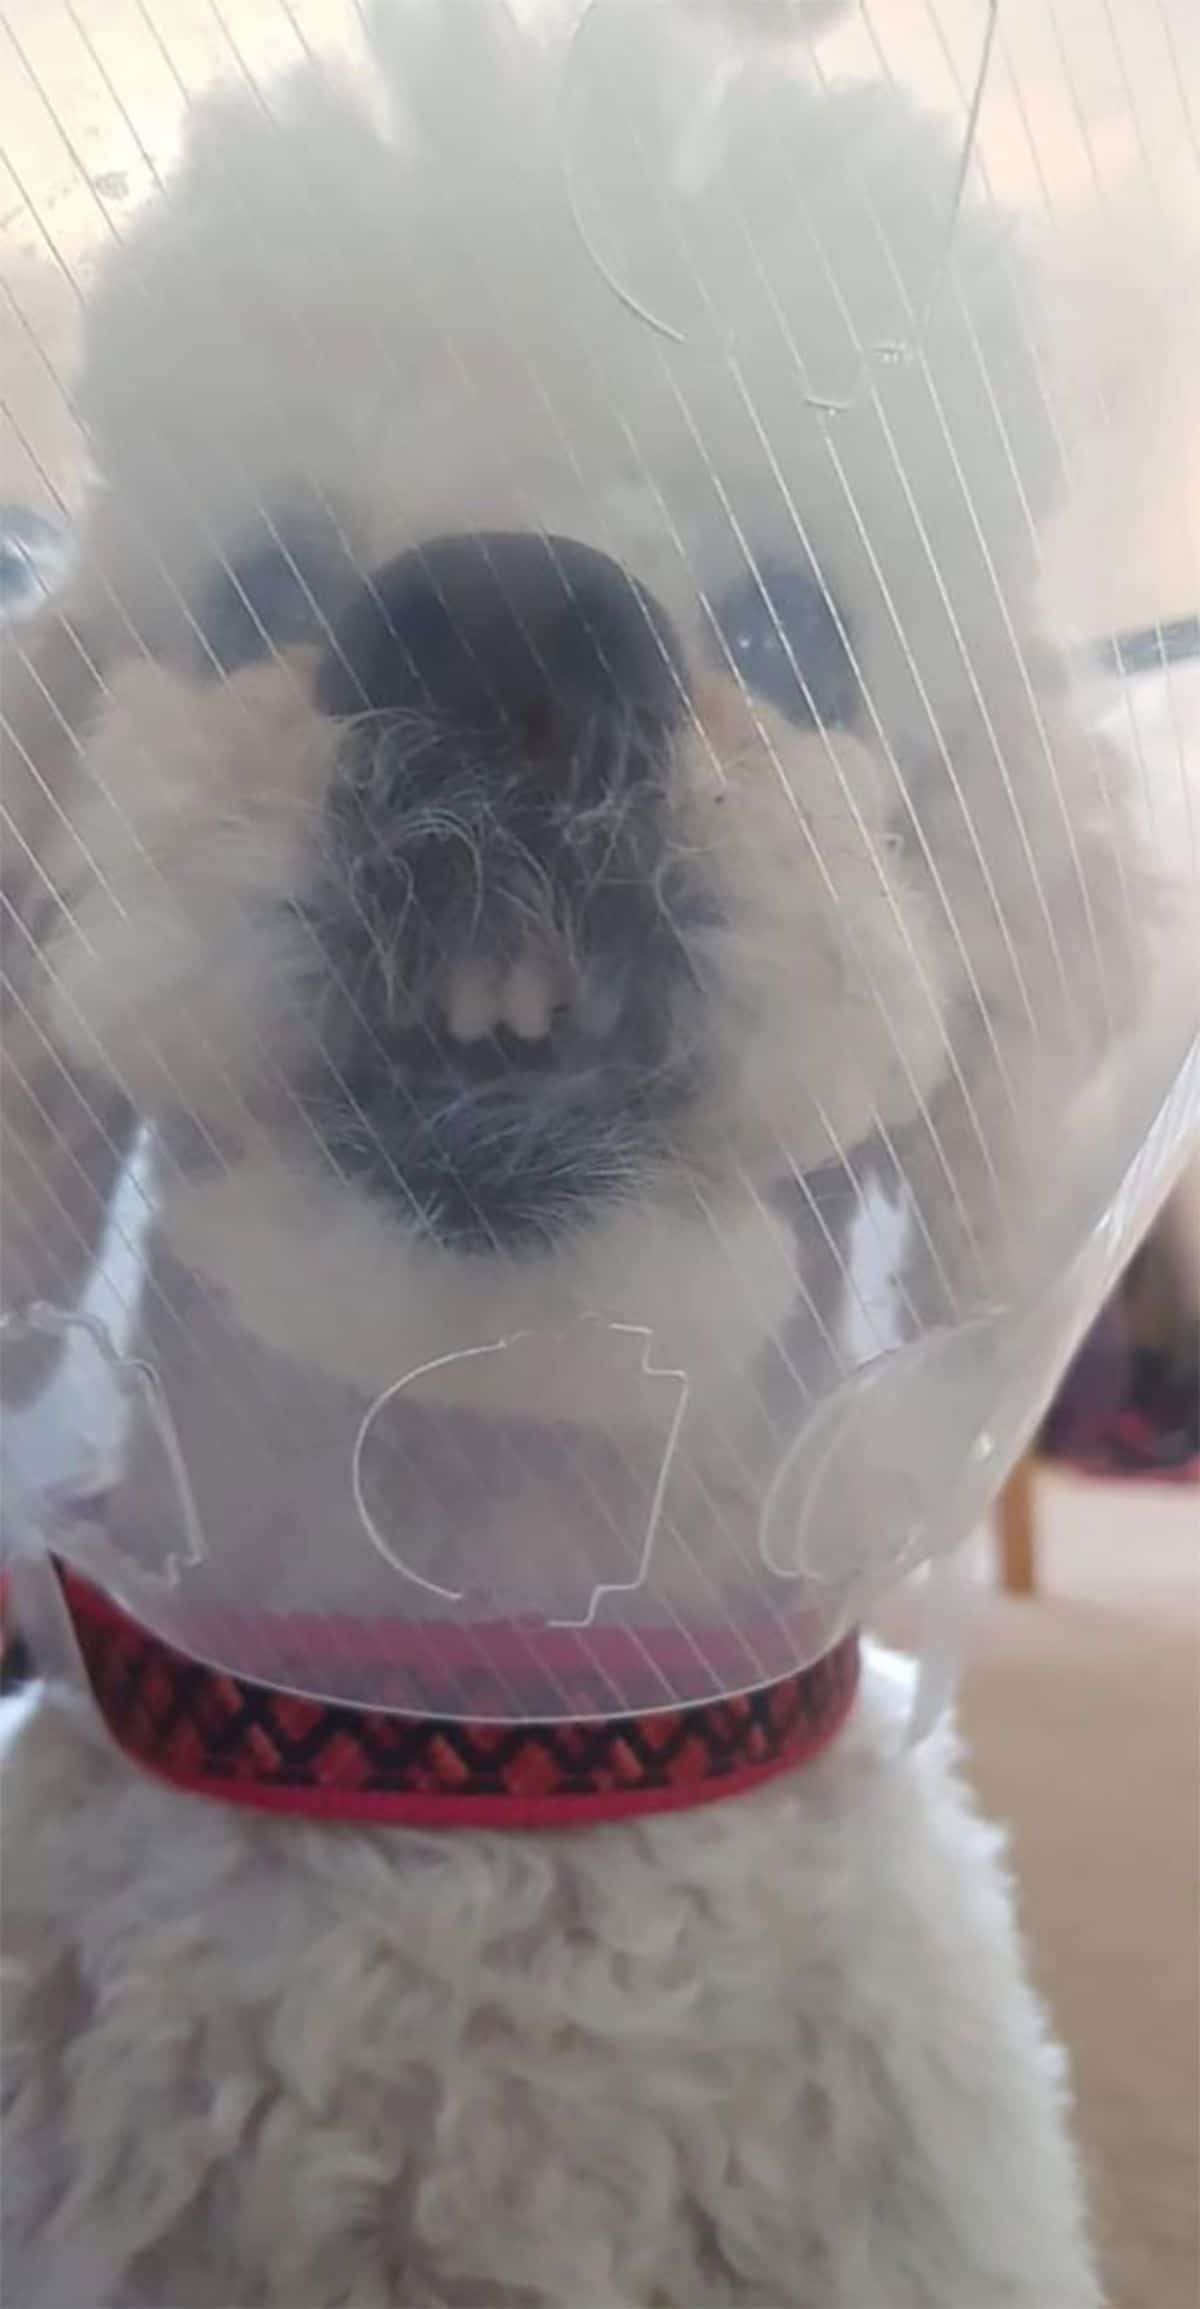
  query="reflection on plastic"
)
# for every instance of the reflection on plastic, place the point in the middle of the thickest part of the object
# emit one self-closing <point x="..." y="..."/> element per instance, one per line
<point x="527" y="1492"/>
<point x="916" y="1435"/>
<point x="672" y="137"/>
<point x="137" y="1387"/>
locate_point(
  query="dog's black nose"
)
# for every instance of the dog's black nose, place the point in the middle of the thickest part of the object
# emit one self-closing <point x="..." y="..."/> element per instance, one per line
<point x="508" y="638"/>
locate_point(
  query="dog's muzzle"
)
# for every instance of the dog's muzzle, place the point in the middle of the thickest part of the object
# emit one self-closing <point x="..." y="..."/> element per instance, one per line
<point x="511" y="954"/>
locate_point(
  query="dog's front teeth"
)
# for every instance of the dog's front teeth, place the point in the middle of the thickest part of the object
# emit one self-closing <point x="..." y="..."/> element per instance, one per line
<point x="527" y="999"/>
<point x="472" y="1003"/>
<point x="481" y="995"/>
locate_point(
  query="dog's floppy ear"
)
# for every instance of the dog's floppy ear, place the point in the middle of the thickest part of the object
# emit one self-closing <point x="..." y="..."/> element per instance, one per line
<point x="62" y="1137"/>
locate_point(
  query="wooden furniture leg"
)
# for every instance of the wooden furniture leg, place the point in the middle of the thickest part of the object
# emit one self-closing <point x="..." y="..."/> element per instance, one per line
<point x="1015" y="1530"/>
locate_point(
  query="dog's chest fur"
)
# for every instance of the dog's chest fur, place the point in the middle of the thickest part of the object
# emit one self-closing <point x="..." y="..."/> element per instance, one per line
<point x="780" y="2050"/>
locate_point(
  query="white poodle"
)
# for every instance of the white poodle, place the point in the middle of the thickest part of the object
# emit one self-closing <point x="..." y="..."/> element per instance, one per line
<point x="515" y="781"/>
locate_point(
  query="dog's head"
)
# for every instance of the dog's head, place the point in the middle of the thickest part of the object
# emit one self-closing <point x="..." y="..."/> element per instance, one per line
<point x="501" y="841"/>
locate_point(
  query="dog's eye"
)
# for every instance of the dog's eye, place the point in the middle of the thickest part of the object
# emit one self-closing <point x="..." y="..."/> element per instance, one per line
<point x="790" y="648"/>
<point x="283" y="582"/>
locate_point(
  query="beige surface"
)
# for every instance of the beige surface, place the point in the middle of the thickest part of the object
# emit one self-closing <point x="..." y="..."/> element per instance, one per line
<point x="1083" y="1711"/>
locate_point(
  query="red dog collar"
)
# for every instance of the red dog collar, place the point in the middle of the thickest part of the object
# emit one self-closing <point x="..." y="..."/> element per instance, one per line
<point x="217" y="1734"/>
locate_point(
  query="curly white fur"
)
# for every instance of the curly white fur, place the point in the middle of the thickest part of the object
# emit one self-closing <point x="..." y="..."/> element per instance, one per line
<point x="780" y="2051"/>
